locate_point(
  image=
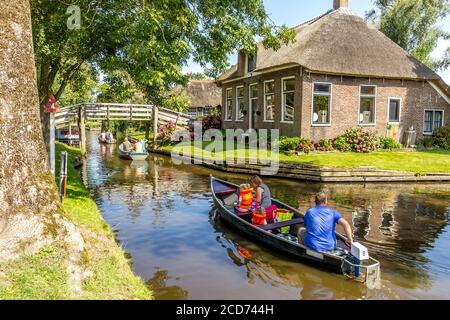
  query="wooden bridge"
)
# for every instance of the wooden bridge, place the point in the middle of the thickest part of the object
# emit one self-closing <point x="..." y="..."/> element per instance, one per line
<point x="80" y="113"/>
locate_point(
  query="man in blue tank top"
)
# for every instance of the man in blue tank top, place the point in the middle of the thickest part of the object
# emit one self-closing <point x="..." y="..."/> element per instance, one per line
<point x="320" y="223"/>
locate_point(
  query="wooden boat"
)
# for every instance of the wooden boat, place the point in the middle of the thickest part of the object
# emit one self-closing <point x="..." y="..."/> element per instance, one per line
<point x="111" y="141"/>
<point x="137" y="156"/>
<point x="338" y="260"/>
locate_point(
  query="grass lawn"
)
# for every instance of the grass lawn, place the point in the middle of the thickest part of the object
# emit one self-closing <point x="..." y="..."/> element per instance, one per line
<point x="414" y="161"/>
<point x="43" y="275"/>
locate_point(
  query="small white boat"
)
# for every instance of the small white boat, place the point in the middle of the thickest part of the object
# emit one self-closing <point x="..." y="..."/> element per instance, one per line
<point x="131" y="155"/>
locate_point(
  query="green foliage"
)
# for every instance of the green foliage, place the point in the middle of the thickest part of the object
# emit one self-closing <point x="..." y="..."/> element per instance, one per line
<point x="180" y="102"/>
<point x="80" y="88"/>
<point x="441" y="137"/>
<point x="150" y="41"/>
<point x="412" y="24"/>
<point x="340" y="143"/>
<point x="289" y="143"/>
<point x="388" y="143"/>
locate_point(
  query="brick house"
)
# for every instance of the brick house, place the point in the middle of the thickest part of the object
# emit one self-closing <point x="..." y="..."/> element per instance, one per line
<point x="340" y="73"/>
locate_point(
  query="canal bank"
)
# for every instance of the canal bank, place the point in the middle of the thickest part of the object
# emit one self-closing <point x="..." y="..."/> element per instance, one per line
<point x="315" y="172"/>
<point x="163" y="216"/>
<point x="106" y="270"/>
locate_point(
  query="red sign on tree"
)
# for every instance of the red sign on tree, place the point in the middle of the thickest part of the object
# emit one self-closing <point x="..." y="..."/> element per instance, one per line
<point x="52" y="105"/>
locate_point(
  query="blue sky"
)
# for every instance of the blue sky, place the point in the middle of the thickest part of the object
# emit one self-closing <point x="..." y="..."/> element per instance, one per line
<point x="294" y="12"/>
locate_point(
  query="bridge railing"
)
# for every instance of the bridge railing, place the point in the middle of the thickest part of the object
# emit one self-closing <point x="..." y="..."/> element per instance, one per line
<point x="119" y="111"/>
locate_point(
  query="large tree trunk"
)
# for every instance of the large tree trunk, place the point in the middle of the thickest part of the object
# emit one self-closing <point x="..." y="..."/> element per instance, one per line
<point x="30" y="213"/>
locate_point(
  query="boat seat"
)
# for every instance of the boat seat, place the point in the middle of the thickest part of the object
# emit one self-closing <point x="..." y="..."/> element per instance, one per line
<point x="277" y="225"/>
<point x="223" y="190"/>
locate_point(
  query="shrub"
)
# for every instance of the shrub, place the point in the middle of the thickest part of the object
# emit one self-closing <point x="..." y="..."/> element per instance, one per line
<point x="166" y="131"/>
<point x="340" y="143"/>
<point x="441" y="137"/>
<point x="211" y="122"/>
<point x="388" y="143"/>
<point x="324" y="145"/>
<point x="305" y="145"/>
<point x="289" y="143"/>
<point x="427" y="142"/>
<point x="360" y="140"/>
<point x="295" y="144"/>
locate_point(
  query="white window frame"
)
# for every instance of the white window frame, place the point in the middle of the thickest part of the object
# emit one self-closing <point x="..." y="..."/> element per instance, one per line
<point x="442" y="120"/>
<point x="265" y="100"/>
<point x="312" y="104"/>
<point x="282" y="99"/>
<point x="237" y="103"/>
<point x="374" y="105"/>
<point x="399" y="110"/>
<point x="250" y="100"/>
<point x="226" y="105"/>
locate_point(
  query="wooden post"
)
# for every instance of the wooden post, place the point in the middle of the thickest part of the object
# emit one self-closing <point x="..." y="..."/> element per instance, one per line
<point x="147" y="130"/>
<point x="82" y="129"/>
<point x="155" y="126"/>
<point x="107" y="118"/>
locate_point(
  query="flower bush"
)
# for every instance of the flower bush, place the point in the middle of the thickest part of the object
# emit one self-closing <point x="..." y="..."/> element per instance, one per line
<point x="306" y="145"/>
<point x="295" y="144"/>
<point x="166" y="131"/>
<point x="324" y="145"/>
<point x="211" y="122"/>
<point x="388" y="143"/>
<point x="359" y="140"/>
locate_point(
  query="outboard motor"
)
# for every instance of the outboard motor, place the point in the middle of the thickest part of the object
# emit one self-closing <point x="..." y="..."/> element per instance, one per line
<point x="361" y="267"/>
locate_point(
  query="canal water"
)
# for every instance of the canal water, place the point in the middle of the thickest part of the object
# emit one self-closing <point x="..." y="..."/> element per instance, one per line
<point x="162" y="216"/>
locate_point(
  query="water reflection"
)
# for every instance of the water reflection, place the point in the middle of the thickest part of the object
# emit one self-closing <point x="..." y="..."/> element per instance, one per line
<point x="161" y="214"/>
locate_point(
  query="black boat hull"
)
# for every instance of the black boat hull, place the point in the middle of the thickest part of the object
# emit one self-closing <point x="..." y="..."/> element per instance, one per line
<point x="296" y="250"/>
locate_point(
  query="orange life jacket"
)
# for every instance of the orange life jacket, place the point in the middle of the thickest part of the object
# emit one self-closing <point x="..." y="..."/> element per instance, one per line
<point x="245" y="197"/>
<point x="258" y="218"/>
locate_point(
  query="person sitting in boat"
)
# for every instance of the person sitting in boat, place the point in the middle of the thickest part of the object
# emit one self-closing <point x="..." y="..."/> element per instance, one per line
<point x="109" y="136"/>
<point x="103" y="135"/>
<point x="138" y="146"/>
<point x="320" y="222"/>
<point x="263" y="198"/>
<point x="127" y="145"/>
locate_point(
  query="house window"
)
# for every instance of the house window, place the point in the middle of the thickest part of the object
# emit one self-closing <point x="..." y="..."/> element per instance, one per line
<point x="239" y="103"/>
<point x="321" y="104"/>
<point x="269" y="100"/>
<point x="433" y="120"/>
<point x="253" y="97"/>
<point x="288" y="87"/>
<point x="367" y="101"/>
<point x="251" y="63"/>
<point x="394" y="109"/>
<point x="229" y="105"/>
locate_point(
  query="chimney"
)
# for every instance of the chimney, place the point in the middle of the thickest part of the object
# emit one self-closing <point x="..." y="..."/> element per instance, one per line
<point x="340" y="4"/>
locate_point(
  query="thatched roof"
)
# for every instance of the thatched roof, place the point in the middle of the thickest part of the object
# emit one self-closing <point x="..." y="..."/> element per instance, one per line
<point x="340" y="42"/>
<point x="201" y="92"/>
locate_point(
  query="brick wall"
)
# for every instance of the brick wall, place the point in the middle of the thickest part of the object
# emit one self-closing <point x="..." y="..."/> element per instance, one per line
<point x="259" y="123"/>
<point x="416" y="96"/>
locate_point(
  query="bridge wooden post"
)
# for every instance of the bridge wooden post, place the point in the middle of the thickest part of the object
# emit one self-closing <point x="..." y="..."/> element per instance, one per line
<point x="107" y="118"/>
<point x="155" y="126"/>
<point x="82" y="129"/>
